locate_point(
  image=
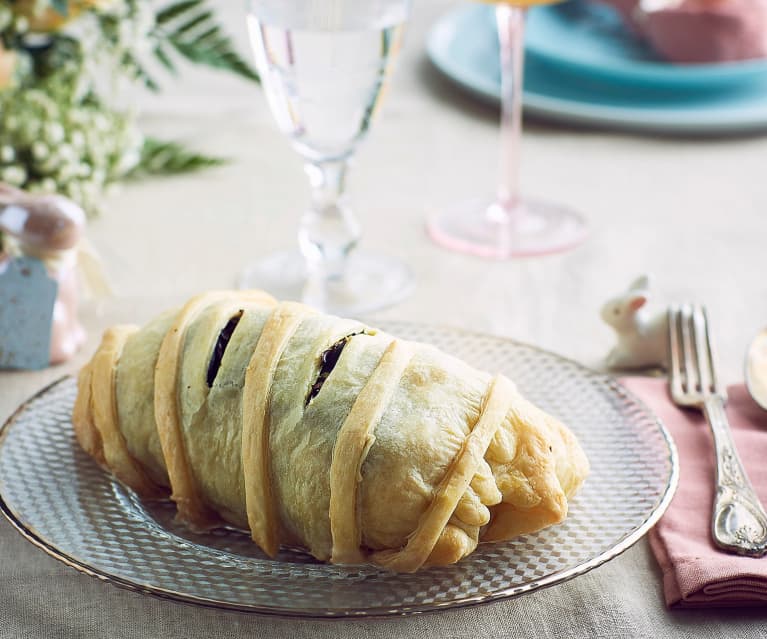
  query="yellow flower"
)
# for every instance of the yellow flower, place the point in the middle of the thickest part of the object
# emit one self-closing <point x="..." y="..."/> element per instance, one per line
<point x="47" y="19"/>
<point x="7" y="66"/>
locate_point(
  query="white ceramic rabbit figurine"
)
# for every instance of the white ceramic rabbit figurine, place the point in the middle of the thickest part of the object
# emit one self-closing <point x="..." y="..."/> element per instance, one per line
<point x="642" y="335"/>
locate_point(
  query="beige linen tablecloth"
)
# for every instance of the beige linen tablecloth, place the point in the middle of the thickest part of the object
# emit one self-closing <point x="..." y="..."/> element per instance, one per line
<point x="689" y="211"/>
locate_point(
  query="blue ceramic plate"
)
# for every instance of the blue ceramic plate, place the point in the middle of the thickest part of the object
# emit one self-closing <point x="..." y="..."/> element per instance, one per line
<point x="463" y="45"/>
<point x="590" y="39"/>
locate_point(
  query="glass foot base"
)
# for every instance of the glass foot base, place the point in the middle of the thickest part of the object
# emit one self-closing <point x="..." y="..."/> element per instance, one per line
<point x="481" y="228"/>
<point x="371" y="282"/>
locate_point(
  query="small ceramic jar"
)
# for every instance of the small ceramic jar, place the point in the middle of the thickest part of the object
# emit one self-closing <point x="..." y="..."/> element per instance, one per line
<point x="49" y="228"/>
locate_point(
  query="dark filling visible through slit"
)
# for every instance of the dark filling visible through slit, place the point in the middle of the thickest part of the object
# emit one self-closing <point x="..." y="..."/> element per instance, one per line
<point x="329" y="359"/>
<point x="218" y="350"/>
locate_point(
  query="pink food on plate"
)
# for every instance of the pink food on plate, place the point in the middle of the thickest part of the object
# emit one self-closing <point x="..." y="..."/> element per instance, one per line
<point x="695" y="31"/>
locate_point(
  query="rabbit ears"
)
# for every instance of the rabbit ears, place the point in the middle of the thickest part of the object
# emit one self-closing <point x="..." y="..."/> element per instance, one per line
<point x="638" y="292"/>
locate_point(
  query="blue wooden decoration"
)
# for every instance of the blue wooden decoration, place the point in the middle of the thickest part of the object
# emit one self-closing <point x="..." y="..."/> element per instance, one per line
<point x="27" y="297"/>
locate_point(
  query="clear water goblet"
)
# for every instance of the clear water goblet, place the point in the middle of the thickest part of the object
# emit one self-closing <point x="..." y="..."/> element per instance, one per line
<point x="324" y="66"/>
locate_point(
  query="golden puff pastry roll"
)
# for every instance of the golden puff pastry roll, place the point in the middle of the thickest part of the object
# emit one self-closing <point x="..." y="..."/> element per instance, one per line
<point x="310" y="430"/>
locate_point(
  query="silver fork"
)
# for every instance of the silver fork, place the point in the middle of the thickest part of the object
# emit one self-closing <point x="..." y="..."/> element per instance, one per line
<point x="738" y="523"/>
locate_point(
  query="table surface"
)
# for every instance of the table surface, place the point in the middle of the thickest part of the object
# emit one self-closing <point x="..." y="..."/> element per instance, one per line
<point x="689" y="211"/>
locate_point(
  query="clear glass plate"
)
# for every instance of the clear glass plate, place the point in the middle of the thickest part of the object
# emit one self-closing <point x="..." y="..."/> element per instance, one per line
<point x="60" y="500"/>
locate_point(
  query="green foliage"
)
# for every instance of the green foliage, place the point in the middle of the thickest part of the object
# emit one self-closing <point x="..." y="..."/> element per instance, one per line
<point x="133" y="66"/>
<point x="159" y="157"/>
<point x="185" y="29"/>
<point x="189" y="28"/>
<point x="54" y="138"/>
<point x="58" y="130"/>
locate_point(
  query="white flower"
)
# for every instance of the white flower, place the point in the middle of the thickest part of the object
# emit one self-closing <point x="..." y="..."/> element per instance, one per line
<point x="54" y="133"/>
<point x="101" y="122"/>
<point x="66" y="173"/>
<point x="14" y="175"/>
<point x="21" y="24"/>
<point x="7" y="154"/>
<point x="48" y="165"/>
<point x="78" y="140"/>
<point x="77" y="117"/>
<point x="40" y="151"/>
<point x="48" y="185"/>
<point x="128" y="161"/>
<point x="99" y="176"/>
<point x="83" y="170"/>
<point x="67" y="154"/>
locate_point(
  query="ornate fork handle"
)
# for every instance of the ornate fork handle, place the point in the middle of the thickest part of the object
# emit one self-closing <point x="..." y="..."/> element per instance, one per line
<point x="739" y="523"/>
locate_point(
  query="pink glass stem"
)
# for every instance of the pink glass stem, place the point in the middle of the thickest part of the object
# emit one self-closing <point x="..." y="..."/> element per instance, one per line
<point x="511" y="35"/>
<point x="506" y="225"/>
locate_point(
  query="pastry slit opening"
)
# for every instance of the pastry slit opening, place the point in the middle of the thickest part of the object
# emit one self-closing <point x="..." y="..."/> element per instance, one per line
<point x="220" y="348"/>
<point x="328" y="361"/>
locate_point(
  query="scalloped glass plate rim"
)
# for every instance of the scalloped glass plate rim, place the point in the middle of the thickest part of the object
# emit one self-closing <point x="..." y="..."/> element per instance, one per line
<point x="554" y="578"/>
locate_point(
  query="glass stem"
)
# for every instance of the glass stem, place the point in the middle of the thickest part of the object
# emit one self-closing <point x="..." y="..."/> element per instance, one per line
<point x="511" y="35"/>
<point x="329" y="230"/>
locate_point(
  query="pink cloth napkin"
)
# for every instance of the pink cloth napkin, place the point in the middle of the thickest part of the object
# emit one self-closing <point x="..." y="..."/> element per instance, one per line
<point x="695" y="573"/>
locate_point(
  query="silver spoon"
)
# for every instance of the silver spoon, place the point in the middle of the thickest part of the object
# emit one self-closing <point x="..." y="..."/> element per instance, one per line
<point x="756" y="368"/>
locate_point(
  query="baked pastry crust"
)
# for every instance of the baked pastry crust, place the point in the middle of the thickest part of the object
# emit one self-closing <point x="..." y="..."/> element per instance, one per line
<point x="321" y="432"/>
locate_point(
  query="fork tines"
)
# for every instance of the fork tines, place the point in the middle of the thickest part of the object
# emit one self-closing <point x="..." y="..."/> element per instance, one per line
<point x="692" y="356"/>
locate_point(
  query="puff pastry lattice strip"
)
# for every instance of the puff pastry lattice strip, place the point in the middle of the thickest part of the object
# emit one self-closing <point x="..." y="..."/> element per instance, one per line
<point x="353" y="442"/>
<point x="105" y="421"/>
<point x="310" y="430"/>
<point x="191" y="507"/>
<point x="259" y="500"/>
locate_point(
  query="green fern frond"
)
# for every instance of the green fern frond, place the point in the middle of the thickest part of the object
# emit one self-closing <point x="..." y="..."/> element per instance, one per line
<point x="162" y="56"/>
<point x="133" y="66"/>
<point x="160" y="157"/>
<point x="175" y="10"/>
<point x="217" y="54"/>
<point x="189" y="28"/>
